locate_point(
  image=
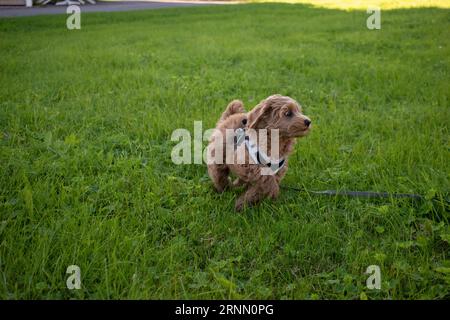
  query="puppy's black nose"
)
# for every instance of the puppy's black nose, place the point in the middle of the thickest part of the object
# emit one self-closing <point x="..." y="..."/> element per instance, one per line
<point x="307" y="122"/>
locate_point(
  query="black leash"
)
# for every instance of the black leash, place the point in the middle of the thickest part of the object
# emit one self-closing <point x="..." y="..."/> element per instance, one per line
<point x="360" y="194"/>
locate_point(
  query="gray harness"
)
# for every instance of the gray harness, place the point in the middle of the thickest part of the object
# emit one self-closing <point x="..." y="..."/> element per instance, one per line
<point x="257" y="156"/>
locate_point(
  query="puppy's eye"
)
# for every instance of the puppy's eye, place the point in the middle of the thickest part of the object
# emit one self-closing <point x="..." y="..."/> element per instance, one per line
<point x="289" y="113"/>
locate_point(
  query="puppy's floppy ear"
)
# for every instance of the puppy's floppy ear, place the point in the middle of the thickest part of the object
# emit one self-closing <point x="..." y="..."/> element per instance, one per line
<point x="258" y="114"/>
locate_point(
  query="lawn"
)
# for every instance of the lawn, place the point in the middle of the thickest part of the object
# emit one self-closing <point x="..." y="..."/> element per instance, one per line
<point x="86" y="176"/>
<point x="364" y="4"/>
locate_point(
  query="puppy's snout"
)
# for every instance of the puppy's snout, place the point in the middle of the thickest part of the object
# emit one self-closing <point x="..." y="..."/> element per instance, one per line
<point x="307" y="122"/>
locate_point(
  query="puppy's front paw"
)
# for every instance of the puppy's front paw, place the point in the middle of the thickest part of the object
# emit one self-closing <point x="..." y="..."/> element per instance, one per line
<point x="239" y="205"/>
<point x="219" y="189"/>
<point x="222" y="185"/>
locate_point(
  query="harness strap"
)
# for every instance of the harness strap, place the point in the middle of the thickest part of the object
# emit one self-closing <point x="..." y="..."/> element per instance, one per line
<point x="257" y="156"/>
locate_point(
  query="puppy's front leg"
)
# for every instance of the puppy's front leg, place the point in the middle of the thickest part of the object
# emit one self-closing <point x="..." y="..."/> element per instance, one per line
<point x="266" y="186"/>
<point x="219" y="175"/>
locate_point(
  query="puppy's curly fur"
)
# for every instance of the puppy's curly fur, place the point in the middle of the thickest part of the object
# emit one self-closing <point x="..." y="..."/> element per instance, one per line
<point x="275" y="112"/>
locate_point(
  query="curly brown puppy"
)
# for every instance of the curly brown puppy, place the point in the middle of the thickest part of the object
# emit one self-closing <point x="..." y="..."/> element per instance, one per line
<point x="274" y="123"/>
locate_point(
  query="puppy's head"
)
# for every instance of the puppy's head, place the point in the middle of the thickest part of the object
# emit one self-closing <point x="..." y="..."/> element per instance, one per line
<point x="282" y="113"/>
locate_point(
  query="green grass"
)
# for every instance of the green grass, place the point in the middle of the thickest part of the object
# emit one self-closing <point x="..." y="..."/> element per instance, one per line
<point x="364" y="4"/>
<point x="86" y="176"/>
